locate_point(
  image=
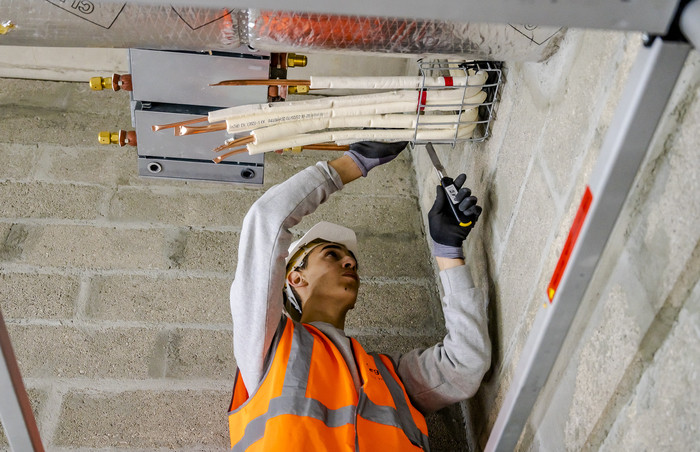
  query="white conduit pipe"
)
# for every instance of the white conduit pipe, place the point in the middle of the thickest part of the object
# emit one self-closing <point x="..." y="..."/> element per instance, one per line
<point x="386" y="121"/>
<point x="351" y="136"/>
<point x="433" y="103"/>
<point x="313" y="104"/>
<point x="270" y="119"/>
<point x="464" y="131"/>
<point x="330" y="102"/>
<point x="474" y="82"/>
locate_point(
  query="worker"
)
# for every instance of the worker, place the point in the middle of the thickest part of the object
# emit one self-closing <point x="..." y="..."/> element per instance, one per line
<point x="302" y="384"/>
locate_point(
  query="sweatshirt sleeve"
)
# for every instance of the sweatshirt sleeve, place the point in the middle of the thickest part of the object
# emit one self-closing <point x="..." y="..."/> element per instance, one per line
<point x="452" y="370"/>
<point x="256" y="292"/>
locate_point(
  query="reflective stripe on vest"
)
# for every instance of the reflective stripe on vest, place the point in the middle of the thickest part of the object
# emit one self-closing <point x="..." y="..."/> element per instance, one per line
<point x="292" y="400"/>
<point x="402" y="411"/>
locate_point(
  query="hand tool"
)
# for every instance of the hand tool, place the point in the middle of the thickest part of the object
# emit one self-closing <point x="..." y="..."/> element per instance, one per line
<point x="448" y="186"/>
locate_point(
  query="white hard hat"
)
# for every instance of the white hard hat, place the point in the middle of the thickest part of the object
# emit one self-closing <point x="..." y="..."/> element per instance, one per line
<point x="325" y="231"/>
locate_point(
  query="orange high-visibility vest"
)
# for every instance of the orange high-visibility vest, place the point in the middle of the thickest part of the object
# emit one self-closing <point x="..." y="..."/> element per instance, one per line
<point x="307" y="401"/>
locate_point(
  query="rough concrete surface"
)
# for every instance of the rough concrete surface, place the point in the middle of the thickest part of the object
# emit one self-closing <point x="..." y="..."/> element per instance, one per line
<point x="659" y="414"/>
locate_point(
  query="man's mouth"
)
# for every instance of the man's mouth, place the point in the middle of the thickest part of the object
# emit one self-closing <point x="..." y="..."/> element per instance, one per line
<point x="352" y="275"/>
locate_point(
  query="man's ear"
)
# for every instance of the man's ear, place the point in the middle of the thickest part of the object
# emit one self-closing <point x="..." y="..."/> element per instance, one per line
<point x="296" y="279"/>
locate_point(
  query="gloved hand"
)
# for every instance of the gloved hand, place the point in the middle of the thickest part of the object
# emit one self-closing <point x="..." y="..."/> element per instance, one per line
<point x="368" y="154"/>
<point x="445" y="230"/>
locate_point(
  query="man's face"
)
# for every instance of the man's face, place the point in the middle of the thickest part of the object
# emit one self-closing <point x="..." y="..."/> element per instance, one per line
<point x="331" y="273"/>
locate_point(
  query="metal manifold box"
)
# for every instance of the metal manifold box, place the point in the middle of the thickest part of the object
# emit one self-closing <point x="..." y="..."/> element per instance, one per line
<point x="173" y="86"/>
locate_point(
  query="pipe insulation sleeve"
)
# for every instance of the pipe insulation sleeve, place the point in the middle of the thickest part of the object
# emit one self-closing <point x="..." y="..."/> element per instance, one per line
<point x="250" y="122"/>
<point x="269" y="119"/>
<point x="475" y="81"/>
<point x="351" y="136"/>
<point x="690" y="22"/>
<point x="312" y="104"/>
<point x="386" y="121"/>
<point x="328" y="102"/>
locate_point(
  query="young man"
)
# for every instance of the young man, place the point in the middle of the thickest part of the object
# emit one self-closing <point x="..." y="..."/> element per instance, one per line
<point x="302" y="384"/>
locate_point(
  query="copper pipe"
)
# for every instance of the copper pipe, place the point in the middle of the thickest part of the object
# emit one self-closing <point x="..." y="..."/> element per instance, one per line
<point x="250" y="139"/>
<point x="326" y="147"/>
<point x="122" y="82"/>
<point x="235" y="143"/>
<point x="181" y="123"/>
<point x="268" y="82"/>
<point x="127" y="137"/>
<point x="219" y="158"/>
<point x="184" y="130"/>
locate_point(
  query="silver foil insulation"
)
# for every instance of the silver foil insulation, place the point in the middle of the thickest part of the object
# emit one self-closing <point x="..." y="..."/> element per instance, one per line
<point x="83" y="23"/>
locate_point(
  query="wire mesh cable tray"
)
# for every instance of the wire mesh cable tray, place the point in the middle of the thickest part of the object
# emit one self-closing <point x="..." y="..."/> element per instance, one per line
<point x="458" y="125"/>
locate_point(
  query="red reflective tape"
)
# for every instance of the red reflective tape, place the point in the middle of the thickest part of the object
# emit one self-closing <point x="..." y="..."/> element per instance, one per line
<point x="570" y="242"/>
<point x="422" y="96"/>
<point x="448" y="81"/>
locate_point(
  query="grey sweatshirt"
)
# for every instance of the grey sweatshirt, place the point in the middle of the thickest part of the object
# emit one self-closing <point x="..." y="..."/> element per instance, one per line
<point x="445" y="373"/>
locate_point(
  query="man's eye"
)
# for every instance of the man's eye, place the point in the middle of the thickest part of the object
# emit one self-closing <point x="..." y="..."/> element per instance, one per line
<point x="332" y="254"/>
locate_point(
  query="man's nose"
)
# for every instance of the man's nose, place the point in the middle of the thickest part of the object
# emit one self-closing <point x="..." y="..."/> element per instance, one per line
<point x="349" y="262"/>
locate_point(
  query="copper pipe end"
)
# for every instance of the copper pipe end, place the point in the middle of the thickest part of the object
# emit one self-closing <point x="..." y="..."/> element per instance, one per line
<point x="127" y="138"/>
<point x="185" y="130"/>
<point x="235" y="143"/>
<point x="122" y="82"/>
<point x="181" y="123"/>
<point x="221" y="157"/>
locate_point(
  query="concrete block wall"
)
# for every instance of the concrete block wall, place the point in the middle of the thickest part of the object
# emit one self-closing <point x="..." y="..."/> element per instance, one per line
<point x="627" y="374"/>
<point x="115" y="287"/>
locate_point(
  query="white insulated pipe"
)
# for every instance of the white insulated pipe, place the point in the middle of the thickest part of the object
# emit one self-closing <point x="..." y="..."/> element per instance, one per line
<point x="386" y="121"/>
<point x="351" y="136"/>
<point x="472" y="82"/>
<point x="313" y="104"/>
<point x="330" y="102"/>
<point x="435" y="101"/>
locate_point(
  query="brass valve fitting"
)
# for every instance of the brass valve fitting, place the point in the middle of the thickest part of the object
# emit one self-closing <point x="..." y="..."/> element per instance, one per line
<point x="106" y="137"/>
<point x="301" y="89"/>
<point x="100" y="83"/>
<point x="116" y="82"/>
<point x="6" y="26"/>
<point x="294" y="60"/>
<point x="121" y="138"/>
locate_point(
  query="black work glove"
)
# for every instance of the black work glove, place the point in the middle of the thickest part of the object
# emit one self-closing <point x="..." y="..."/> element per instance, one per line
<point x="445" y="230"/>
<point x="368" y="154"/>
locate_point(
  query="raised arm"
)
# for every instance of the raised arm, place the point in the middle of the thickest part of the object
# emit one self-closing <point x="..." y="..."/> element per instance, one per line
<point x="451" y="370"/>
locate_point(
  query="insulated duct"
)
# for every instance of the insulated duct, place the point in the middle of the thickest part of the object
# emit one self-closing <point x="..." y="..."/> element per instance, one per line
<point x="83" y="23"/>
<point x="274" y="31"/>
